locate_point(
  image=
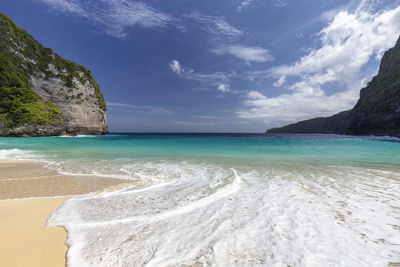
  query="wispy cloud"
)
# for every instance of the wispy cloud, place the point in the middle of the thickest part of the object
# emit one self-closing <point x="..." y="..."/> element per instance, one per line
<point x="246" y="3"/>
<point x="348" y="43"/>
<point x="217" y="26"/>
<point x="246" y="53"/>
<point x="219" y="80"/>
<point x="279" y="3"/>
<point x="142" y="108"/>
<point x="113" y="16"/>
<point x="65" y="6"/>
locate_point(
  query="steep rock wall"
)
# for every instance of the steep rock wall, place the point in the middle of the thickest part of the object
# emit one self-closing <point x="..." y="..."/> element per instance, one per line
<point x="42" y="93"/>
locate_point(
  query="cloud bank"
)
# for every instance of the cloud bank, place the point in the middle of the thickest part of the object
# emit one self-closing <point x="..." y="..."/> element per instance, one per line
<point x="348" y="43"/>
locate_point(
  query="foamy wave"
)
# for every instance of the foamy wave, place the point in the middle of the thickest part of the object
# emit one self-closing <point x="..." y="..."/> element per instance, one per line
<point x="78" y="136"/>
<point x="17" y="154"/>
<point x="160" y="171"/>
<point x="208" y="215"/>
<point x="86" y="135"/>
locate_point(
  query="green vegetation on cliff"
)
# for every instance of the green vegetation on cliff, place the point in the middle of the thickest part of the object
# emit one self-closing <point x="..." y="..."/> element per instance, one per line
<point x="382" y="94"/>
<point x="21" y="57"/>
<point x="377" y="111"/>
<point x="19" y="104"/>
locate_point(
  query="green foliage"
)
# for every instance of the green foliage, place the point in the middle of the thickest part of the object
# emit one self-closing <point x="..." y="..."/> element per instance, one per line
<point x="383" y="92"/>
<point x="15" y="45"/>
<point x="19" y="104"/>
<point x="100" y="96"/>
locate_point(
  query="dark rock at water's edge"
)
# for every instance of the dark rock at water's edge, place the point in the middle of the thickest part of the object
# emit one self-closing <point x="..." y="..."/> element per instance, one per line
<point x="377" y="112"/>
<point x="42" y="93"/>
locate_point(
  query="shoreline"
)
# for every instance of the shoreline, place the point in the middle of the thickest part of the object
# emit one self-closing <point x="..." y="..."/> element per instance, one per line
<point x="21" y="179"/>
<point x="29" y="193"/>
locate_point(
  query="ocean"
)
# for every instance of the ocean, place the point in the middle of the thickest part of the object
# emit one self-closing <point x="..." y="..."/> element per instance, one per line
<point x="227" y="199"/>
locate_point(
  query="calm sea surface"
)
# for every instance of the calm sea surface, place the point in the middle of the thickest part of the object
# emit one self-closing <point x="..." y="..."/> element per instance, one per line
<point x="228" y="199"/>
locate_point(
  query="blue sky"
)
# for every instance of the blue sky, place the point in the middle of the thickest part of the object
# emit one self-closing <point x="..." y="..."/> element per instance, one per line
<point x="217" y="66"/>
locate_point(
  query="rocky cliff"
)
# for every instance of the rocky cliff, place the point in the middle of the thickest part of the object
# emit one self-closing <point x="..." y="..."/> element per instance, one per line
<point x="42" y="93"/>
<point x="377" y="112"/>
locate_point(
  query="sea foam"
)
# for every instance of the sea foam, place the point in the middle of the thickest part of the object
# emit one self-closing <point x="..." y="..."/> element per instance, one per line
<point x="211" y="215"/>
<point x="16" y="153"/>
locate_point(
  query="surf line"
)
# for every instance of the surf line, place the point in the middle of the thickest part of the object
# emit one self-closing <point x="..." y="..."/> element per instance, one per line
<point x="232" y="188"/>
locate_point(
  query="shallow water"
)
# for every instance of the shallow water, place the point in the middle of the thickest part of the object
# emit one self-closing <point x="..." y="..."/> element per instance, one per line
<point x="228" y="200"/>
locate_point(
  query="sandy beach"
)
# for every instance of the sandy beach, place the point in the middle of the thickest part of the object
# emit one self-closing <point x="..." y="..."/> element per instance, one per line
<point x="26" y="241"/>
<point x="28" y="194"/>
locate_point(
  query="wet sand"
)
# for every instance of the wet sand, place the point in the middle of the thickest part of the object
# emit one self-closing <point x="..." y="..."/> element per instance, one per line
<point x="24" y="179"/>
<point x="28" y="194"/>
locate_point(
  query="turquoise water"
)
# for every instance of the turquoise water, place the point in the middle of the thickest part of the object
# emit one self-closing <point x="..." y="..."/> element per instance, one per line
<point x="228" y="199"/>
<point x="234" y="149"/>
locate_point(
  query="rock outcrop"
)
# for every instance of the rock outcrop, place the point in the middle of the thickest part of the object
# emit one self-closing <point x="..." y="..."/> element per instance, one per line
<point x="42" y="93"/>
<point x="377" y="112"/>
<point x="335" y="124"/>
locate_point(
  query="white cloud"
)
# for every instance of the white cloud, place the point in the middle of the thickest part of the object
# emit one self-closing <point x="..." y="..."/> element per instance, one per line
<point x="65" y="6"/>
<point x="348" y="43"/>
<point x="175" y="66"/>
<point x="244" y="4"/>
<point x="249" y="54"/>
<point x="213" y="79"/>
<point x="217" y="26"/>
<point x="280" y="82"/>
<point x="279" y="3"/>
<point x="142" y="108"/>
<point x="289" y="108"/>
<point x="223" y="88"/>
<point x="113" y="16"/>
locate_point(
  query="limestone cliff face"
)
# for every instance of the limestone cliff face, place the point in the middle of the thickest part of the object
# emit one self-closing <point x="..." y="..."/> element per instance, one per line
<point x="377" y="112"/>
<point x="80" y="106"/>
<point x="43" y="94"/>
